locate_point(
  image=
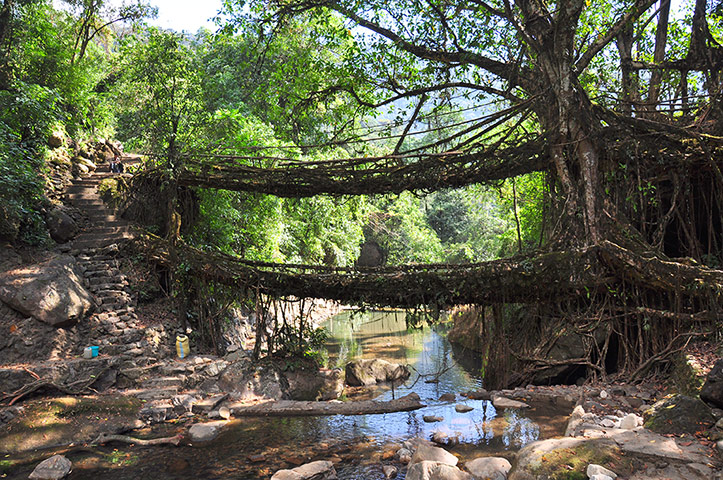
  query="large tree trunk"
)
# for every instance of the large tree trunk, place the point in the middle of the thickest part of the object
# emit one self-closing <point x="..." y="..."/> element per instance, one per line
<point x="630" y="81"/>
<point x="661" y="38"/>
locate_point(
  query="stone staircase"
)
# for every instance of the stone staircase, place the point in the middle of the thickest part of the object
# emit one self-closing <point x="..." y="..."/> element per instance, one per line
<point x="146" y="367"/>
<point x="103" y="227"/>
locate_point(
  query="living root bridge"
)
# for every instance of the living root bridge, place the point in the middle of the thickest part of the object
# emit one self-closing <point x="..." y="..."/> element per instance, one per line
<point x="545" y="278"/>
<point x="365" y="176"/>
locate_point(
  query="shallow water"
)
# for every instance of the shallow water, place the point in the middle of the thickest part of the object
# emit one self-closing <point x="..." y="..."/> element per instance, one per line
<point x="356" y="443"/>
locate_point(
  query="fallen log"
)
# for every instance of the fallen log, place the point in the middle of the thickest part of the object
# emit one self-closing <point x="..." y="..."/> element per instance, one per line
<point x="106" y="437"/>
<point x="291" y="408"/>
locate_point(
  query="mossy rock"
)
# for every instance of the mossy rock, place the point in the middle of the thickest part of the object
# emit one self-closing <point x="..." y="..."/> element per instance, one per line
<point x="678" y="414"/>
<point x="568" y="458"/>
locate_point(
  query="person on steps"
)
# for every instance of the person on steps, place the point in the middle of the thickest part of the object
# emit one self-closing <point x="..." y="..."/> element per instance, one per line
<point x="116" y="166"/>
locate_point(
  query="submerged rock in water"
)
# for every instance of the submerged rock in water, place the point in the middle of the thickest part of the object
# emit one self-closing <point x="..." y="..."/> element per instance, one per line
<point x="53" y="468"/>
<point x="480" y="394"/>
<point x="432" y="418"/>
<point x="448" y="397"/>
<point x="368" y="372"/>
<point x="319" y="470"/>
<point x="502" y="402"/>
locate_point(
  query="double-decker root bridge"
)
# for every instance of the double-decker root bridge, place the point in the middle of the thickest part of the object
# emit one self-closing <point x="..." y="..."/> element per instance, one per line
<point x="544" y="278"/>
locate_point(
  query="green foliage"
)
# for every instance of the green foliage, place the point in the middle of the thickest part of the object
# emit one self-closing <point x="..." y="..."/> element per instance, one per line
<point x="399" y="226"/>
<point x="159" y="93"/>
<point x="27" y="116"/>
<point x="295" y="79"/>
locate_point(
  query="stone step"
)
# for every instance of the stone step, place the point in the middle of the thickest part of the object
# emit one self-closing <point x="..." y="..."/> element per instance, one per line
<point x="103" y="230"/>
<point x="94" y="266"/>
<point x="86" y="202"/>
<point x="97" y="282"/>
<point x="114" y="299"/>
<point x="99" y="241"/>
<point x="163" y="382"/>
<point x="110" y="272"/>
<point x="117" y="285"/>
<point x="104" y="216"/>
<point x="156" y="393"/>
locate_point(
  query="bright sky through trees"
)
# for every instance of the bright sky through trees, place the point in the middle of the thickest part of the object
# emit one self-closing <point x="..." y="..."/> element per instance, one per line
<point x="188" y="15"/>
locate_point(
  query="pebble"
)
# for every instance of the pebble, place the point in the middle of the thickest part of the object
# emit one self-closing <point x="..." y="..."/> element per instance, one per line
<point x="593" y="470"/>
<point x="603" y="394"/>
<point x="630" y="421"/>
<point x="608" y="423"/>
<point x="404" y="455"/>
<point x="390" y="471"/>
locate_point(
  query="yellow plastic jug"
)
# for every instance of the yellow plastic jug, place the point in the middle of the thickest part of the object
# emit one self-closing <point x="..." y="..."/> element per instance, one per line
<point x="182" y="346"/>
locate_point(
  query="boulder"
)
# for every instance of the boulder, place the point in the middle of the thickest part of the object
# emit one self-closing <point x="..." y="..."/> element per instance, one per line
<point x="544" y="458"/>
<point x="88" y="164"/>
<point x="427" y="453"/>
<point x="712" y="391"/>
<point x="251" y="381"/>
<point x="53" y="468"/>
<point x="308" y="384"/>
<point x="678" y="414"/>
<point x="489" y="468"/>
<point x="56" y="140"/>
<point x="462" y="408"/>
<point x="51" y="292"/>
<point x="368" y="372"/>
<point x="436" y="471"/>
<point x="319" y="470"/>
<point x="204" y="432"/>
<point x="60" y="225"/>
<point x="480" y="394"/>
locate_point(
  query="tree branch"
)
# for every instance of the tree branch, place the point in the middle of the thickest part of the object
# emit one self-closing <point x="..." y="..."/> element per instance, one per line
<point x="635" y="11"/>
<point x="502" y="70"/>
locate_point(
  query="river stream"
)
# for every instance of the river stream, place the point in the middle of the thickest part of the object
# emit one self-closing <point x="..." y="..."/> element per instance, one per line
<point x="253" y="448"/>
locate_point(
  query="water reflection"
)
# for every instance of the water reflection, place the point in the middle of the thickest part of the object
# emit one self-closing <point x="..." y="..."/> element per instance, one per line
<point x="385" y="335"/>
